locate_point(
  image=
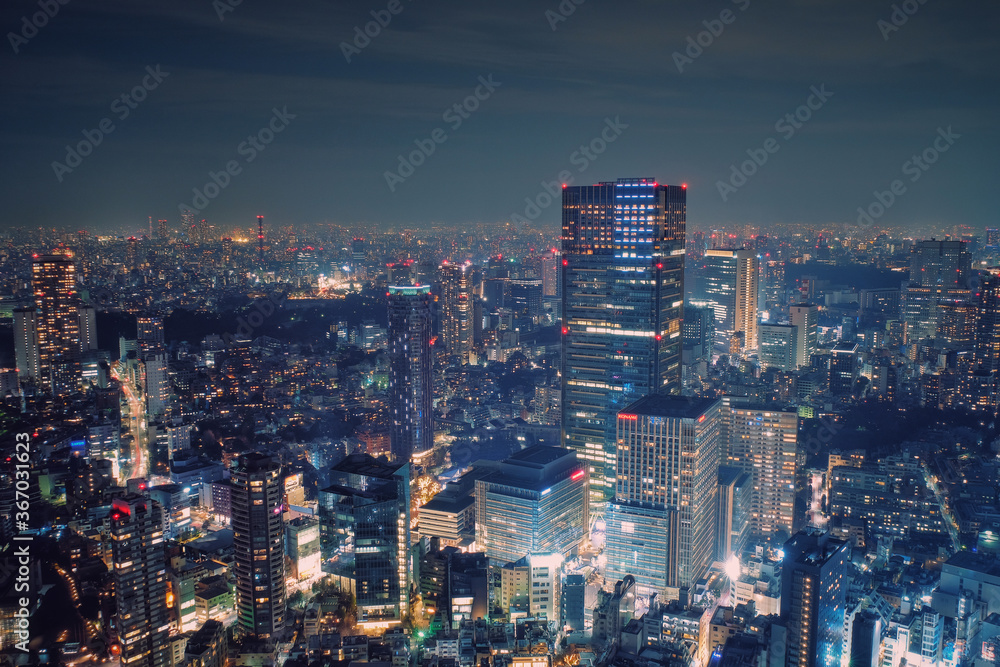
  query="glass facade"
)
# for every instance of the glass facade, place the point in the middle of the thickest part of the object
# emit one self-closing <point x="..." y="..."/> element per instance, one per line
<point x="622" y="305"/>
<point x="410" y="388"/>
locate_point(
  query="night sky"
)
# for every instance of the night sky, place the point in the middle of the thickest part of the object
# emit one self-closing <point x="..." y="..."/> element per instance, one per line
<point x="559" y="89"/>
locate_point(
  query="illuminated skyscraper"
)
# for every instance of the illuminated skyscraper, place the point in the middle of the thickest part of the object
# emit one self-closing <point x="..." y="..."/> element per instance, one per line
<point x="987" y="340"/>
<point x="662" y="523"/>
<point x="940" y="263"/>
<point x="140" y="575"/>
<point x="88" y="328"/>
<point x="622" y="307"/>
<point x="815" y="573"/>
<point x="805" y="318"/>
<point x="26" y="353"/>
<point x="763" y="442"/>
<point x="731" y="281"/>
<point x="412" y="429"/>
<point x="57" y="323"/>
<point x="258" y="545"/>
<point x="149" y="335"/>
<point x="532" y="503"/>
<point x="456" y="310"/>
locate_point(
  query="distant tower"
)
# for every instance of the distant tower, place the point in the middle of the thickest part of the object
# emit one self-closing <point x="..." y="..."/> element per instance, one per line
<point x="26" y="353"/>
<point x="260" y="238"/>
<point x="456" y="313"/>
<point x="140" y="576"/>
<point x="259" y="548"/>
<point x="161" y="228"/>
<point x="410" y="396"/>
<point x="57" y="323"/>
<point x="227" y="250"/>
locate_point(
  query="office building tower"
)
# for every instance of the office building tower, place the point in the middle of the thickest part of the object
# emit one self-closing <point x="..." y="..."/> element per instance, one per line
<point x="140" y="576"/>
<point x="730" y="285"/>
<point x="365" y="523"/>
<point x="779" y="346"/>
<point x="735" y="503"/>
<point x="698" y="331"/>
<point x="881" y="303"/>
<point x="532" y="503"/>
<point x="551" y="266"/>
<point x="26" y="352"/>
<point x="844" y="367"/>
<point x="149" y="335"/>
<point x="456" y="310"/>
<point x="161" y="229"/>
<point x="805" y="318"/>
<point x="88" y="327"/>
<point x="661" y="525"/>
<point x="531" y="587"/>
<point x="814" y="578"/>
<point x="526" y="298"/>
<point x="866" y="638"/>
<point x="762" y="441"/>
<point x="258" y="545"/>
<point x="622" y="308"/>
<point x="574" y="602"/>
<point x="57" y="323"/>
<point x="940" y="264"/>
<point x="132" y="253"/>
<point x="412" y="429"/>
<point x="987" y="336"/>
<point x="956" y="323"/>
<point x="157" y="384"/>
<point x="992" y="237"/>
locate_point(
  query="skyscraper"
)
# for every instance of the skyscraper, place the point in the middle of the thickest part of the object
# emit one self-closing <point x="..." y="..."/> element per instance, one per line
<point x="26" y="353"/>
<point x="814" y="579"/>
<point x="940" y="263"/>
<point x="987" y="337"/>
<point x="762" y="441"/>
<point x="730" y="284"/>
<point x="365" y="523"/>
<point x="456" y="310"/>
<point x="622" y="307"/>
<point x="779" y="346"/>
<point x="140" y="576"/>
<point x="805" y="317"/>
<point x="532" y="503"/>
<point x="258" y="545"/>
<point x="412" y="430"/>
<point x="57" y="323"/>
<point x="661" y="525"/>
<point x="149" y="335"/>
<point x="88" y="327"/>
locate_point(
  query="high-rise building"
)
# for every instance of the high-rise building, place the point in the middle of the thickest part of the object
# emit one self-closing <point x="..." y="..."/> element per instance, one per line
<point x="57" y="323"/>
<point x="258" y="545"/>
<point x="661" y="525"/>
<point x="987" y="337"/>
<point x="622" y="308"/>
<point x="26" y="353"/>
<point x="532" y="503"/>
<point x="456" y="310"/>
<point x="550" y="273"/>
<point x="779" y="346"/>
<point x="843" y="368"/>
<point x="140" y="576"/>
<point x="365" y="525"/>
<point x="731" y="285"/>
<point x="302" y="547"/>
<point x="161" y="228"/>
<point x="940" y="263"/>
<point x="805" y="318"/>
<point x="814" y="577"/>
<point x="149" y="335"/>
<point x="157" y="384"/>
<point x="762" y="441"/>
<point x="88" y="327"/>
<point x="735" y="503"/>
<point x="410" y="397"/>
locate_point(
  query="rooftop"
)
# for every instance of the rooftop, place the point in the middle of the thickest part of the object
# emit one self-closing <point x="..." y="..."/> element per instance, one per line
<point x="676" y="407"/>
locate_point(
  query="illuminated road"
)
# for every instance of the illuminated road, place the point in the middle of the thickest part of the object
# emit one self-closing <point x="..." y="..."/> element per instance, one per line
<point x="137" y="427"/>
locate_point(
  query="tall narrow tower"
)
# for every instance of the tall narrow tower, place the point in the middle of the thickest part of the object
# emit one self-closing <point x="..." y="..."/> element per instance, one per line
<point x="140" y="576"/>
<point x="57" y="323"/>
<point x="258" y="545"/>
<point x="456" y="310"/>
<point x="622" y="308"/>
<point x="412" y="429"/>
<point x="260" y="238"/>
